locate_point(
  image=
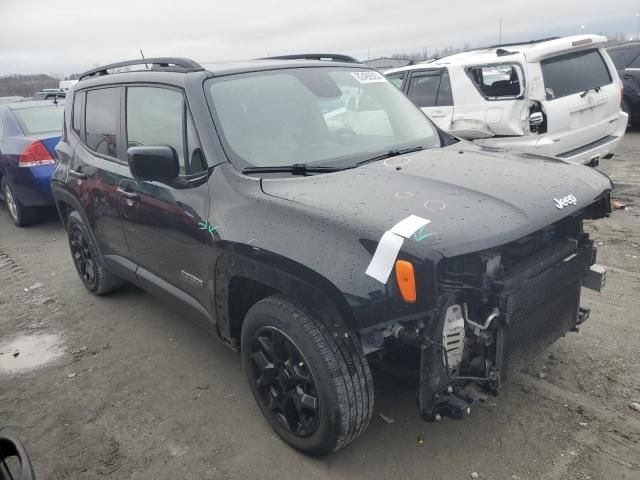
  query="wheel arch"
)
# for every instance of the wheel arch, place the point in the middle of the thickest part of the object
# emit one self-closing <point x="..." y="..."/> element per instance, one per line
<point x="67" y="203"/>
<point x="247" y="275"/>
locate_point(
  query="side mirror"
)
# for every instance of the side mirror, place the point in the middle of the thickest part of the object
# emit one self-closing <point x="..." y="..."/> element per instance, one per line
<point x="153" y="163"/>
<point x="14" y="461"/>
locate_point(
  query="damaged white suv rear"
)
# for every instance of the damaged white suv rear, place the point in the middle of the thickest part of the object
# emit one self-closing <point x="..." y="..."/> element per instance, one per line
<point x="559" y="97"/>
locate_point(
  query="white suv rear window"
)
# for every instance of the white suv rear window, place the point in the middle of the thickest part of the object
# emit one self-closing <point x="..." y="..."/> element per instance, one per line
<point x="574" y="72"/>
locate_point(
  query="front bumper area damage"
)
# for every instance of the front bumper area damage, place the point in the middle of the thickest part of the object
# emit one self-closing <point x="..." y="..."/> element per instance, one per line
<point x="497" y="311"/>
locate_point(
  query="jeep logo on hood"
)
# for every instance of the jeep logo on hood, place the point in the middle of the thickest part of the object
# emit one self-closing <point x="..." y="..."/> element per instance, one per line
<point x="565" y="201"/>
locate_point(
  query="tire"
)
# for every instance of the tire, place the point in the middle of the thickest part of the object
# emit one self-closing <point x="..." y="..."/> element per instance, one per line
<point x="332" y="366"/>
<point x="22" y="216"/>
<point x="91" y="270"/>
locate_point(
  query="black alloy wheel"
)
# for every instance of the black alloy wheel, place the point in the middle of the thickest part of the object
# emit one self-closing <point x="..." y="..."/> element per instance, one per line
<point x="83" y="257"/>
<point x="282" y="376"/>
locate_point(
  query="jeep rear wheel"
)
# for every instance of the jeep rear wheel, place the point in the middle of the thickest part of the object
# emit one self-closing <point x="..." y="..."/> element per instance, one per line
<point x="95" y="277"/>
<point x="312" y="385"/>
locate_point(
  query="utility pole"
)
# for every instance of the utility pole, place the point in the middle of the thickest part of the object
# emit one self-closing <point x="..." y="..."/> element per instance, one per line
<point x="638" y="26"/>
<point x="500" y="35"/>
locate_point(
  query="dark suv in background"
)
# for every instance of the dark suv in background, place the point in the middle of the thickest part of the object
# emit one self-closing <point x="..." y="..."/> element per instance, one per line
<point x="626" y="58"/>
<point x="310" y="215"/>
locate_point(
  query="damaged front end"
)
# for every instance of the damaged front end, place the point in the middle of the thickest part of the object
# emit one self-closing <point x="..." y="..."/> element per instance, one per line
<point x="497" y="310"/>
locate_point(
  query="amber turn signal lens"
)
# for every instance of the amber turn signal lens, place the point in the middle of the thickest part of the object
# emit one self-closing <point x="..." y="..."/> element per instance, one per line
<point x="406" y="280"/>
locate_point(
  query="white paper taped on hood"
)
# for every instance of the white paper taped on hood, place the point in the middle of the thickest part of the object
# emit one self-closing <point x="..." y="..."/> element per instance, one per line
<point x="390" y="245"/>
<point x="410" y="225"/>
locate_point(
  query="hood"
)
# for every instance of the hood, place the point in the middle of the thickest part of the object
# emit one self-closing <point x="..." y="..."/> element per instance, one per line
<point x="475" y="197"/>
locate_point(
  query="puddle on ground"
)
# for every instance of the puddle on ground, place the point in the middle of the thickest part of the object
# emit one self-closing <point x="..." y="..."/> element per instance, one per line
<point x="33" y="351"/>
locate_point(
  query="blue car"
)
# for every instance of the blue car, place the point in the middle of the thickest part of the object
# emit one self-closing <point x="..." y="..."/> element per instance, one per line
<point x="29" y="132"/>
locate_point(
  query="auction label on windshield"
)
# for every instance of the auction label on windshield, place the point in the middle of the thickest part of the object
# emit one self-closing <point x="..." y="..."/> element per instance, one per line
<point x="368" y="77"/>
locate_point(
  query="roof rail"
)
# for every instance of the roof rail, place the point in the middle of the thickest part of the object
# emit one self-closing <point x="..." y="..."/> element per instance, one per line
<point x="527" y="42"/>
<point x="330" y="57"/>
<point x="166" y="64"/>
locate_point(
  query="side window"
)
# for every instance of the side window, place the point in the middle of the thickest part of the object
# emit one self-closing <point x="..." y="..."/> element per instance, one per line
<point x="622" y="57"/>
<point x="423" y="89"/>
<point x="101" y="120"/>
<point x="397" y="78"/>
<point x="635" y="63"/>
<point x="77" y="113"/>
<point x="159" y="116"/>
<point x="496" y="80"/>
<point x="445" y="99"/>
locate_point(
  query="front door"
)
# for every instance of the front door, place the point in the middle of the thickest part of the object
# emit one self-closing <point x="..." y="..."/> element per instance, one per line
<point x="165" y="225"/>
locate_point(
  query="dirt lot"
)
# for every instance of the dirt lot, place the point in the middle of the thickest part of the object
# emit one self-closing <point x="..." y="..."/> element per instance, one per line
<point x="131" y="389"/>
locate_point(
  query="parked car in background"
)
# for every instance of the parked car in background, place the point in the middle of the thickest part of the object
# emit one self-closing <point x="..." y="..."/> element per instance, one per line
<point x="557" y="97"/>
<point x="310" y="215"/>
<point x="626" y="58"/>
<point x="50" y="94"/>
<point x="65" y="85"/>
<point x="29" y="132"/>
<point x="5" y="100"/>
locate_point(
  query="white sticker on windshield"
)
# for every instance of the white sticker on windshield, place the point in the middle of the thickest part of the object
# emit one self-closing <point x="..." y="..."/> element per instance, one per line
<point x="368" y="77"/>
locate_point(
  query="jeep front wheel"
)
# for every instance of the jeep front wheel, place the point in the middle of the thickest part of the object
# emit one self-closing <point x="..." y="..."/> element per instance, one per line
<point x="312" y="384"/>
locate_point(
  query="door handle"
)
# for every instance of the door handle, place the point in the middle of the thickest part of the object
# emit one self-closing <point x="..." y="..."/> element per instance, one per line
<point x="127" y="194"/>
<point x="438" y="114"/>
<point x="77" y="174"/>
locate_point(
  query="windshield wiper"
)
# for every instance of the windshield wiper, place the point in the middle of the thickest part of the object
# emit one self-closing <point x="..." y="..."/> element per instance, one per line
<point x="391" y="153"/>
<point x="295" y="169"/>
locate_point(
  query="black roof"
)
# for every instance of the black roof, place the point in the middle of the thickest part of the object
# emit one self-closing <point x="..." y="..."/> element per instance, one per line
<point x="634" y="43"/>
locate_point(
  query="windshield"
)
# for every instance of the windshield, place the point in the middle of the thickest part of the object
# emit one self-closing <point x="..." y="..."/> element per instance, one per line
<point x="36" y="120"/>
<point x="326" y="116"/>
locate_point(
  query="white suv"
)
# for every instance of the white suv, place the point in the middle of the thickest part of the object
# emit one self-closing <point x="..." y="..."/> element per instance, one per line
<point x="558" y="97"/>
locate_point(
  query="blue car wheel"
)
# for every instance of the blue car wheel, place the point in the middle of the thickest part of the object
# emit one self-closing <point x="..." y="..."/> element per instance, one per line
<point x="21" y="215"/>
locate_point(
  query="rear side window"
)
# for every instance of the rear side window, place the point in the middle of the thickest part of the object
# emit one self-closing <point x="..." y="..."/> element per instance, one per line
<point x="496" y="81"/>
<point x="38" y="120"/>
<point x="423" y="89"/>
<point x="77" y="113"/>
<point x="101" y="120"/>
<point x="574" y="72"/>
<point x="159" y="116"/>
<point x="445" y="98"/>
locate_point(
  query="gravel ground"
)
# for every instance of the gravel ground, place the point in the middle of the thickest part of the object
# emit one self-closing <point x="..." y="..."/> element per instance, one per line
<point x="128" y="388"/>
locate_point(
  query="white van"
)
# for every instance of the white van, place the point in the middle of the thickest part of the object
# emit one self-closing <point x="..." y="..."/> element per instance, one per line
<point x="558" y="97"/>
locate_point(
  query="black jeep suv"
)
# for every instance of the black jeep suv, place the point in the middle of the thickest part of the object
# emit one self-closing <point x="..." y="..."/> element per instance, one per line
<point x="306" y="212"/>
<point x="626" y="58"/>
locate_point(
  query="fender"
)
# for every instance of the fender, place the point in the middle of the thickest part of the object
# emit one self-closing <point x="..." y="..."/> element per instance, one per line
<point x="240" y="261"/>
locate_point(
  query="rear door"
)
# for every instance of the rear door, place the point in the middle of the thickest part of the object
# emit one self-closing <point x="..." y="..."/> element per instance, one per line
<point x="582" y="98"/>
<point x="431" y="91"/>
<point x="95" y="169"/>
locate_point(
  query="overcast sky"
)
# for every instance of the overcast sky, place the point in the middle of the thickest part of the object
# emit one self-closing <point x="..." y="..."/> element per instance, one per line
<point x="64" y="36"/>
